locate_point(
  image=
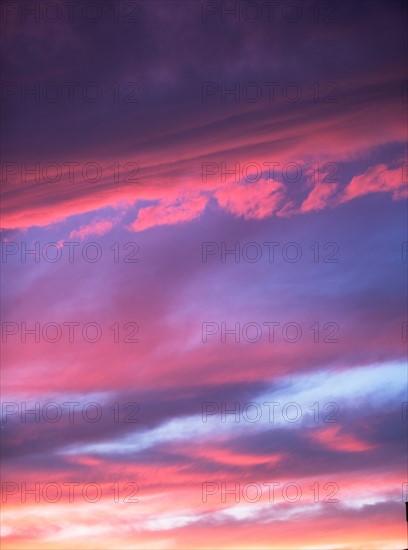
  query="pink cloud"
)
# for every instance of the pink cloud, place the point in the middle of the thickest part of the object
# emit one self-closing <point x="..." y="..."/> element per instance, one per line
<point x="377" y="179"/>
<point x="251" y="201"/>
<point x="334" y="438"/>
<point x="265" y="136"/>
<point x="93" y="228"/>
<point x="168" y="213"/>
<point x="318" y="197"/>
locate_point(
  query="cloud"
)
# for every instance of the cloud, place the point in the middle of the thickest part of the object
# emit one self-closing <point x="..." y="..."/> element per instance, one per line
<point x="377" y="179"/>
<point x="94" y="228"/>
<point x="334" y="438"/>
<point x="169" y="213"/>
<point x="251" y="200"/>
<point x="169" y="133"/>
<point x="319" y="197"/>
<point x="171" y="152"/>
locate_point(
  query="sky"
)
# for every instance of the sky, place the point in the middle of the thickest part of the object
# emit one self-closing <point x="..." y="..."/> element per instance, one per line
<point x="204" y="275"/>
